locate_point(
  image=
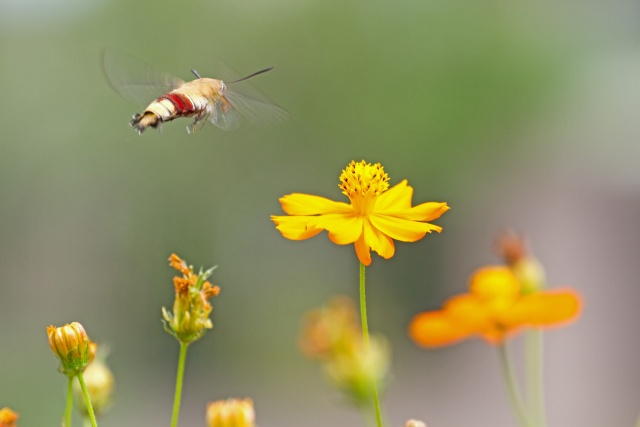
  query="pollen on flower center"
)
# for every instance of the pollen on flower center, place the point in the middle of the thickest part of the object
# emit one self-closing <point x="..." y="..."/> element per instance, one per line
<point x="363" y="179"/>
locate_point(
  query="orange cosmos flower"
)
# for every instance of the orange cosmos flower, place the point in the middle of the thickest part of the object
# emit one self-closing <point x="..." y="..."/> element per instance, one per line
<point x="333" y="336"/>
<point x="7" y="417"/>
<point x="494" y="309"/>
<point x="375" y="216"/>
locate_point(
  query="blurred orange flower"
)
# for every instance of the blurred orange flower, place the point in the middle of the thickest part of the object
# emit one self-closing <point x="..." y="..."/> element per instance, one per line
<point x="7" y="417"/>
<point x="375" y="216"/>
<point x="333" y="336"/>
<point x="494" y="309"/>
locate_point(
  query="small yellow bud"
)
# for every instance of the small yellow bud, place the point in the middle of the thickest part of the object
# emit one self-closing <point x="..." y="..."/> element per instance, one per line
<point x="8" y="417"/>
<point x="99" y="381"/>
<point x="531" y="275"/>
<point x="231" y="413"/>
<point x="414" y="423"/>
<point x="72" y="347"/>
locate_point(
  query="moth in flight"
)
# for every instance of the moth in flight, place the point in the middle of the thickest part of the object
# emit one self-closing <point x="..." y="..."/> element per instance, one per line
<point x="224" y="104"/>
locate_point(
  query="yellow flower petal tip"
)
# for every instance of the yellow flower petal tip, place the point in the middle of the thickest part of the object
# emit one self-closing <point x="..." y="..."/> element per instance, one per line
<point x="376" y="216"/>
<point x="494" y="309"/>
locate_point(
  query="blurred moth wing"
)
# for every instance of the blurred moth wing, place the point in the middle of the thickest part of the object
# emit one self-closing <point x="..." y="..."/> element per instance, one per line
<point x="136" y="80"/>
<point x="168" y="97"/>
<point x="254" y="107"/>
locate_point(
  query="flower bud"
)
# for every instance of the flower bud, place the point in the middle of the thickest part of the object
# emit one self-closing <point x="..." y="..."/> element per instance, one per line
<point x="72" y="347"/>
<point x="7" y="418"/>
<point x="414" y="423"/>
<point x="514" y="250"/>
<point x="99" y="381"/>
<point x="231" y="413"/>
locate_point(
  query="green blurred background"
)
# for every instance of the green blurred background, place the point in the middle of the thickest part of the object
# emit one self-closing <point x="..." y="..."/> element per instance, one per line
<point x="518" y="114"/>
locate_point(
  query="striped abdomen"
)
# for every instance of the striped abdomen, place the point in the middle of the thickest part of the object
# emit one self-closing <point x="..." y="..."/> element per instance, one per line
<point x="191" y="99"/>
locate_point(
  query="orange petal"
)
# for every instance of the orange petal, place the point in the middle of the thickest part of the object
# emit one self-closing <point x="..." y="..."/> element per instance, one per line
<point x="343" y="229"/>
<point x="378" y="241"/>
<point x="306" y="204"/>
<point x="473" y="315"/>
<point x="494" y="281"/>
<point x="295" y="227"/>
<point x="547" y="308"/>
<point x="435" y="329"/>
<point x="424" y="212"/>
<point x="397" y="197"/>
<point x="363" y="251"/>
<point x="402" y="229"/>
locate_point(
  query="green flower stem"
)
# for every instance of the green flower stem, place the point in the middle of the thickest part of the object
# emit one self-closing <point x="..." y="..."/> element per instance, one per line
<point x="512" y="386"/>
<point x="534" y="376"/>
<point x="367" y="416"/>
<point x="365" y="333"/>
<point x="92" y="416"/>
<point x="176" y="399"/>
<point x="67" y="413"/>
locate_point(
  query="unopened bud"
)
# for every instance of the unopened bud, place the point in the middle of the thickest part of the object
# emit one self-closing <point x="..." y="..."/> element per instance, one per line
<point x="72" y="347"/>
<point x="513" y="248"/>
<point x="414" y="423"/>
<point x="531" y="275"/>
<point x="231" y="413"/>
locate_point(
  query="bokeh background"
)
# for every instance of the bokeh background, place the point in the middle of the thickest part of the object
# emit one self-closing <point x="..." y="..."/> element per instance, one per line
<point x="521" y="114"/>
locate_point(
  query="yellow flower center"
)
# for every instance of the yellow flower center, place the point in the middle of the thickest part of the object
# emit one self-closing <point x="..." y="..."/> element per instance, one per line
<point x="362" y="183"/>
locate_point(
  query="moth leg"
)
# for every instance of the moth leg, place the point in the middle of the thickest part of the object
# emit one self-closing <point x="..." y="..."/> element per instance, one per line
<point x="206" y="117"/>
<point x="193" y="126"/>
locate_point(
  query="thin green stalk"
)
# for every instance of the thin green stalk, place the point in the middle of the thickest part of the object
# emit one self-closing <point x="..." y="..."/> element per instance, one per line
<point x="534" y="376"/>
<point x="365" y="333"/>
<point x="638" y="421"/>
<point x="92" y="416"/>
<point x="512" y="386"/>
<point x="367" y="416"/>
<point x="67" y="413"/>
<point x="176" y="399"/>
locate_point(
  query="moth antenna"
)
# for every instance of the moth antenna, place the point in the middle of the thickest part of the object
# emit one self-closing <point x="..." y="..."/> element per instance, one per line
<point x="252" y="75"/>
<point x="195" y="73"/>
